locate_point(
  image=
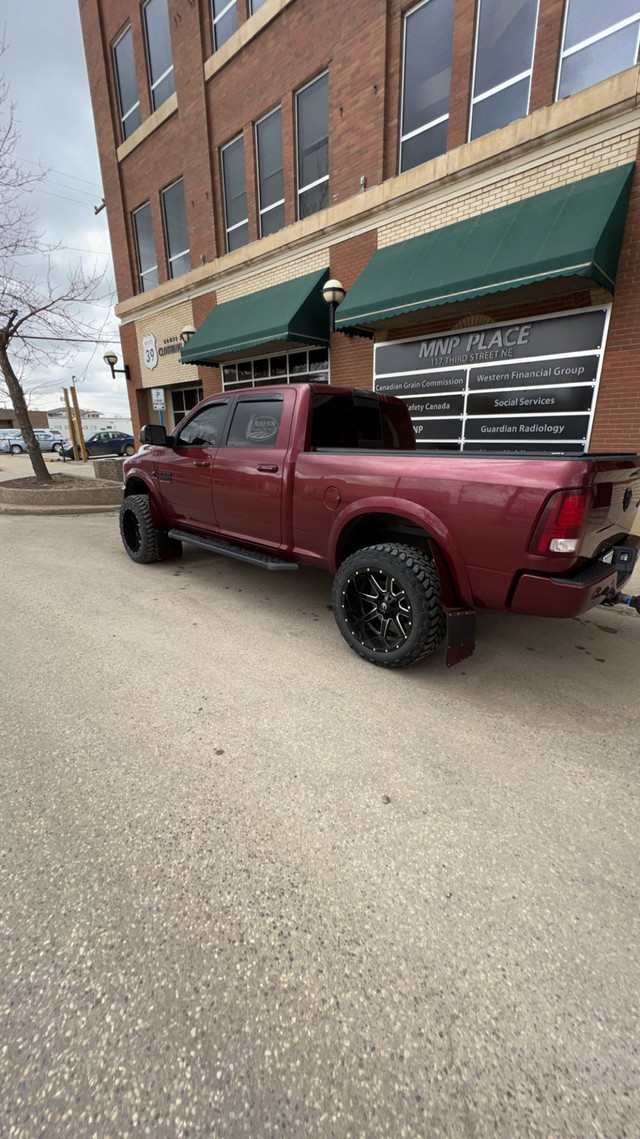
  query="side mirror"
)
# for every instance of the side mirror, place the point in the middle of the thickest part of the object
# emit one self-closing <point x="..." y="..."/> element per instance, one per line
<point x="154" y="434"/>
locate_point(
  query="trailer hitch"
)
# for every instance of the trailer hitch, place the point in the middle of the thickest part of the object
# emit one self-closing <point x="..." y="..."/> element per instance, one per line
<point x="613" y="597"/>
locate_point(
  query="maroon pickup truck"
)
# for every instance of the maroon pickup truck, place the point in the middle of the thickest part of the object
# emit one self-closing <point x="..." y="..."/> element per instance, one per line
<point x="307" y="474"/>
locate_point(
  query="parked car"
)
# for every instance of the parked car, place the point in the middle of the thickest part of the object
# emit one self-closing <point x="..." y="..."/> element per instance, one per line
<point x="47" y="441"/>
<point x="104" y="443"/>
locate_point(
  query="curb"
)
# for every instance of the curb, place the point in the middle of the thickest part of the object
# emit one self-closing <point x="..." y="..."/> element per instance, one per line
<point x="12" y="508"/>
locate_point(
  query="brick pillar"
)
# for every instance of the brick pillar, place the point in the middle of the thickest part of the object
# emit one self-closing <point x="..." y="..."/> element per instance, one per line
<point x="461" y="73"/>
<point x="617" y="419"/>
<point x="547" y="54"/>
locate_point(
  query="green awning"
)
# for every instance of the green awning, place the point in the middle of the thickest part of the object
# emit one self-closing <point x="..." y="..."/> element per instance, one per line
<point x="293" y="311"/>
<point x="575" y="230"/>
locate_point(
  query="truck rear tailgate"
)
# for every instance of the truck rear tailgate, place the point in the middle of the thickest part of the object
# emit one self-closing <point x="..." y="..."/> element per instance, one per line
<point x="616" y="498"/>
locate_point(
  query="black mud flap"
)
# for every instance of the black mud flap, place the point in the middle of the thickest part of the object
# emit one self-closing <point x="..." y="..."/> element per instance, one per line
<point x="461" y="635"/>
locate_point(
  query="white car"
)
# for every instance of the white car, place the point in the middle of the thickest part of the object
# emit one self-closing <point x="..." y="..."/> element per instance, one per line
<point x="47" y="441"/>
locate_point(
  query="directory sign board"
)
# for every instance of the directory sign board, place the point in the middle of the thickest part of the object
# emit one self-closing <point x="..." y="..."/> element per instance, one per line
<point x="527" y="386"/>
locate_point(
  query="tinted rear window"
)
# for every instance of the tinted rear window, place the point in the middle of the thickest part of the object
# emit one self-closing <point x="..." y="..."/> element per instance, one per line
<point x="359" y="419"/>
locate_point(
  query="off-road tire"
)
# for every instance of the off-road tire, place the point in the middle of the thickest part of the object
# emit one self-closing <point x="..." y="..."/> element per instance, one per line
<point x="405" y="581"/>
<point x="139" y="535"/>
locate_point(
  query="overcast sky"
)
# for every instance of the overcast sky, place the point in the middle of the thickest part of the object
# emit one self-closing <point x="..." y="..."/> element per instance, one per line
<point x="45" y="68"/>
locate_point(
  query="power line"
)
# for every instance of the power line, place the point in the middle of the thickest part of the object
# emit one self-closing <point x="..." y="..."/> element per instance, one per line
<point x="64" y="173"/>
<point x="97" y="252"/>
<point x="52" y="182"/>
<point x="69" y="339"/>
<point x="63" y="197"/>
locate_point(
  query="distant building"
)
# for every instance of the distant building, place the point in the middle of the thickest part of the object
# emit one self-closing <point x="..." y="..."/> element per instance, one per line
<point x="91" y="421"/>
<point x="9" y="419"/>
<point x="465" y="168"/>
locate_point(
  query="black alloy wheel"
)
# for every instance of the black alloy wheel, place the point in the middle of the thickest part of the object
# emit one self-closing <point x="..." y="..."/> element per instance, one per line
<point x="387" y="605"/>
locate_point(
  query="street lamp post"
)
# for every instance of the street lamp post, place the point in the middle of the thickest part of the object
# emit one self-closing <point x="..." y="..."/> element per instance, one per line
<point x="333" y="294"/>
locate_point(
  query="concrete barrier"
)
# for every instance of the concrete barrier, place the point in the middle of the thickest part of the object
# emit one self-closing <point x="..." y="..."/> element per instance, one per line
<point x="110" y="469"/>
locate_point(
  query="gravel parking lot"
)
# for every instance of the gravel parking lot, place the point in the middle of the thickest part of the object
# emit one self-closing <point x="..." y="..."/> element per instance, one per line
<point x="254" y="886"/>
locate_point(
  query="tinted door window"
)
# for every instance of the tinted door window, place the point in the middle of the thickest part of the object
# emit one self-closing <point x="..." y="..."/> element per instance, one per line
<point x="255" y="423"/>
<point x="205" y="428"/>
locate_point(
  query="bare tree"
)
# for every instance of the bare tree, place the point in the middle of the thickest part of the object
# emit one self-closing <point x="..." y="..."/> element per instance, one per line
<point x="41" y="302"/>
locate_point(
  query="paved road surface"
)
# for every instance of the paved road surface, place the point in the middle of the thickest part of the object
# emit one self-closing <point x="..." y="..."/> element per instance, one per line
<point x="253" y="886"/>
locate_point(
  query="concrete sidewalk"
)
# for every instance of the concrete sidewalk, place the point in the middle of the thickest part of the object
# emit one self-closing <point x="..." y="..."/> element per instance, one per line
<point x="19" y="467"/>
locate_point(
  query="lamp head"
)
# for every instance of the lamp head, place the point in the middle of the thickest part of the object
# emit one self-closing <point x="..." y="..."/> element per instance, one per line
<point x="333" y="293"/>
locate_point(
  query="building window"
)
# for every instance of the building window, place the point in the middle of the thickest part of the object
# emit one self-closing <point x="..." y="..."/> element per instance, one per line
<point x="312" y="124"/>
<point x="158" y="36"/>
<point x="225" y="21"/>
<point x="235" y="194"/>
<point x="175" y="229"/>
<point x="254" y="5"/>
<point x="145" y="248"/>
<point x="286" y="368"/>
<point x="428" y="49"/>
<point x="600" y="39"/>
<point x="125" y="69"/>
<point x="270" y="172"/>
<point x="184" y="400"/>
<point x="505" y="39"/>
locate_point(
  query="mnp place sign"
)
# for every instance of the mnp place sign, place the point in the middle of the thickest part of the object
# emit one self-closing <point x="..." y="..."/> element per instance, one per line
<point x="527" y="386"/>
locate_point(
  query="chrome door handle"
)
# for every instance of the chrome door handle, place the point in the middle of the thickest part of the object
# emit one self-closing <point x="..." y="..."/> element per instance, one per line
<point x="264" y="467"/>
<point x="202" y="463"/>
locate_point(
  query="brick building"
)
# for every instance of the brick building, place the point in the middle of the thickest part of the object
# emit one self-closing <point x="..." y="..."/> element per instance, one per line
<point x="465" y="168"/>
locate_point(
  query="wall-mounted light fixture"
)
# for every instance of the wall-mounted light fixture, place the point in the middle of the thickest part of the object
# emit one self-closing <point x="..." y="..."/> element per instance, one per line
<point x="333" y="294"/>
<point x="187" y="333"/>
<point x="111" y="359"/>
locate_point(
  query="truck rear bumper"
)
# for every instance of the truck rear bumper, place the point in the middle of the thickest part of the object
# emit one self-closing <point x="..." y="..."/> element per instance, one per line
<point x="539" y="596"/>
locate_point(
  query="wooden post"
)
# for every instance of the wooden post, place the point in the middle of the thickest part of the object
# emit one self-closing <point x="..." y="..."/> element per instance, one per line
<point x="72" y="426"/>
<point x="78" y="423"/>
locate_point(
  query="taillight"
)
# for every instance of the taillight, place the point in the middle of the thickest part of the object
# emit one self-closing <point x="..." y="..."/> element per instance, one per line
<point x="561" y="526"/>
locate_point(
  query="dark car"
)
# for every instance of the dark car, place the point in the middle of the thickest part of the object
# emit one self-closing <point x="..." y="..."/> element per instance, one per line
<point x="104" y="443"/>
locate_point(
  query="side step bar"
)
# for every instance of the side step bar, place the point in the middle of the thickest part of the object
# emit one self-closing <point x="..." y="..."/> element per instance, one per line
<point x="217" y="546"/>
